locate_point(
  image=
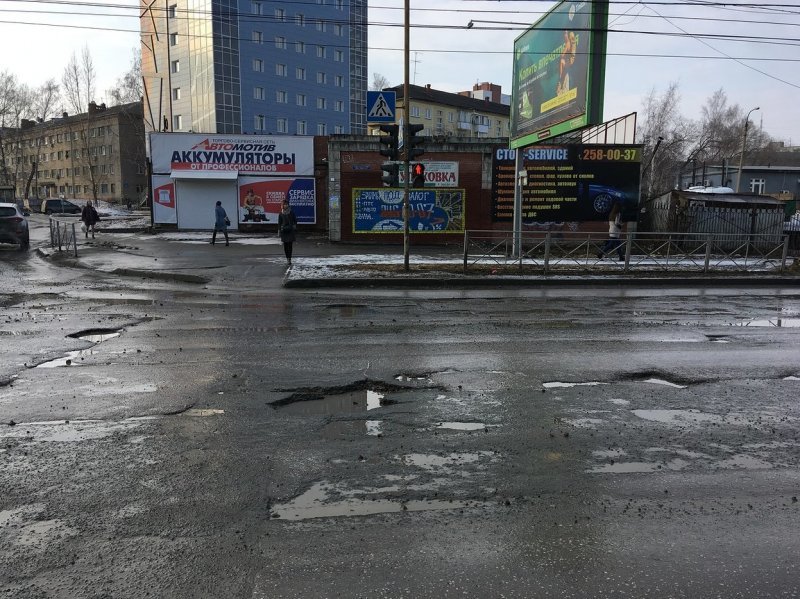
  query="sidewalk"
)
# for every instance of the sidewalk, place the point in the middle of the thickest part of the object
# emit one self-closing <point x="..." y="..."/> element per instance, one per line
<point x="188" y="257"/>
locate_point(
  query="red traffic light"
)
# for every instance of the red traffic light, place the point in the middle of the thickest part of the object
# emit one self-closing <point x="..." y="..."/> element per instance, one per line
<point x="418" y="170"/>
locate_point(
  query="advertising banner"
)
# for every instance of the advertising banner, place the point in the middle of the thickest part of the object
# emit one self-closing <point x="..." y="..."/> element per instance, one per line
<point x="260" y="199"/>
<point x="245" y="154"/>
<point x="568" y="183"/>
<point x="558" y="72"/>
<point x="437" y="174"/>
<point x="430" y="210"/>
<point x="164" y="211"/>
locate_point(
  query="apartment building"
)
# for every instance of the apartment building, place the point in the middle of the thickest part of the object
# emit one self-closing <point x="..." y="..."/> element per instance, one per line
<point x="255" y="66"/>
<point x="95" y="155"/>
<point x="446" y="114"/>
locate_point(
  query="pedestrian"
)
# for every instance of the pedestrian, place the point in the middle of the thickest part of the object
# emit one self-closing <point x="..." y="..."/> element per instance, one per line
<point x="221" y="222"/>
<point x="614" y="232"/>
<point x="287" y="227"/>
<point x="89" y="217"/>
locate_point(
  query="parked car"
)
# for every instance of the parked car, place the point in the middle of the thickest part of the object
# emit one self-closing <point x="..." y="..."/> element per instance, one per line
<point x="14" y="226"/>
<point x="59" y="206"/>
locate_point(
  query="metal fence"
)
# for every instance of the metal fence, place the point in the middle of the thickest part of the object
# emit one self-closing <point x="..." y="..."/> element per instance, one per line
<point x="567" y="251"/>
<point x="62" y="235"/>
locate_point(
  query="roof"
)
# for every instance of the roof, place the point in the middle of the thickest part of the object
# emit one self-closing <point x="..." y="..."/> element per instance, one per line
<point x="730" y="198"/>
<point x="435" y="96"/>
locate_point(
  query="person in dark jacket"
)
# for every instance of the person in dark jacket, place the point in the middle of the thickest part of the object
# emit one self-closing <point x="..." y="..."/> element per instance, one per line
<point x="221" y="223"/>
<point x="287" y="227"/>
<point x="89" y="217"/>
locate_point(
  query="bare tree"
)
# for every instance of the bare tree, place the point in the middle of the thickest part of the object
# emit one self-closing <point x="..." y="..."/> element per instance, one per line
<point x="15" y="108"/>
<point x="46" y="99"/>
<point x="379" y="82"/>
<point x="129" y="88"/>
<point x="79" y="84"/>
<point x="666" y="135"/>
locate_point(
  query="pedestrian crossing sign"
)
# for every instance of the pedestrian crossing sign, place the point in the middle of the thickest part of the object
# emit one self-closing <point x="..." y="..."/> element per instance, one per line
<point x="380" y="106"/>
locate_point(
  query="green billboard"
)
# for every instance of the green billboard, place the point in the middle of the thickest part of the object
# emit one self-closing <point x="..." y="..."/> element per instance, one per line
<point x="559" y="72"/>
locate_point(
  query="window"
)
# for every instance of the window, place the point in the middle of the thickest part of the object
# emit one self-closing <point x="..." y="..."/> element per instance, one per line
<point x="339" y="4"/>
<point x="322" y="129"/>
<point x="172" y="11"/>
<point x="173" y="39"/>
<point x="322" y="103"/>
<point x="300" y="73"/>
<point x="176" y="93"/>
<point x="281" y="97"/>
<point x="113" y="188"/>
<point x="338" y="129"/>
<point x="104" y="188"/>
<point x="320" y="25"/>
<point x="337" y="29"/>
<point x="283" y="126"/>
<point x="258" y="65"/>
<point x="338" y="56"/>
<point x="259" y="122"/>
<point x="280" y="70"/>
<point x="339" y="81"/>
<point x="301" y="99"/>
<point x="301" y="127"/>
<point x="339" y="106"/>
<point x="757" y="185"/>
<point x="321" y="52"/>
<point x="300" y="47"/>
<point x="428" y="113"/>
<point x="300" y="19"/>
<point x="449" y="117"/>
<point x="177" y="122"/>
<point x="415" y="111"/>
<point x="258" y="93"/>
<point x="256" y="8"/>
<point x="280" y="14"/>
<point x="258" y="37"/>
<point x="322" y="78"/>
<point x="280" y="42"/>
<point x="175" y="66"/>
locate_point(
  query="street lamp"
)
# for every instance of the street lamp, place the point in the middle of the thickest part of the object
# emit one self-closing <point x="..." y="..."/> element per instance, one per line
<point x="744" y="139"/>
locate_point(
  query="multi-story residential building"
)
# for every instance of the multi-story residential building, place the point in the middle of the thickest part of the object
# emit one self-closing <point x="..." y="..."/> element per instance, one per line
<point x="95" y="155"/>
<point x="488" y="91"/>
<point x="255" y="66"/>
<point x="445" y="114"/>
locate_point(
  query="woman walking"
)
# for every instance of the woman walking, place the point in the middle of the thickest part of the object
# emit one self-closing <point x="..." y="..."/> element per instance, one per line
<point x="287" y="227"/>
<point x="89" y="217"/>
<point x="221" y="223"/>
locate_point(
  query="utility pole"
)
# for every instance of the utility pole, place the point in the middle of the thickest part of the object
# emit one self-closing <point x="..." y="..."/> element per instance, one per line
<point x="741" y="155"/>
<point x="406" y="136"/>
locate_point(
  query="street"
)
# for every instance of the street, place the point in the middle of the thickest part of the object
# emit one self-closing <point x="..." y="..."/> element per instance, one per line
<point x="232" y="438"/>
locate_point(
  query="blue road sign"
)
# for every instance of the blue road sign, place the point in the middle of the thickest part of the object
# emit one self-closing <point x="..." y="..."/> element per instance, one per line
<point x="381" y="107"/>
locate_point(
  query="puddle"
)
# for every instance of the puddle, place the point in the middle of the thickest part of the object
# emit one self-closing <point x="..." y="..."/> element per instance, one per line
<point x="609" y="453"/>
<point x="558" y="385"/>
<point x="68" y="360"/>
<point x="321" y="501"/>
<point x="791" y="378"/>
<point x="769" y="322"/>
<point x="619" y="402"/>
<point x="96" y="335"/>
<point x="638" y="467"/>
<point x="677" y="416"/>
<point x="436" y="462"/>
<point x="374" y="428"/>
<point x="462" y="426"/>
<point x="353" y="401"/>
<point x="203" y="412"/>
<point x="74" y="431"/>
<point x="405" y="378"/>
<point x="665" y="383"/>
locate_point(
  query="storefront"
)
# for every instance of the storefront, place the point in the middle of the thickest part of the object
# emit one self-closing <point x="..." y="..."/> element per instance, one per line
<point x="250" y="174"/>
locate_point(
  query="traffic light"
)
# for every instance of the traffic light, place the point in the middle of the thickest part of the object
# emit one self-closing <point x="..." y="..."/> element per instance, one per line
<point x="391" y="176"/>
<point x="418" y="175"/>
<point x="390" y="140"/>
<point x="414" y="142"/>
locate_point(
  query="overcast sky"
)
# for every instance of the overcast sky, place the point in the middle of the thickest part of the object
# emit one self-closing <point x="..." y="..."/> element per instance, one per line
<point x="650" y="46"/>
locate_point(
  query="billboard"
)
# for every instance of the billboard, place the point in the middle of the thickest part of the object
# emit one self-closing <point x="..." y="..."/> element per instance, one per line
<point x="260" y="199"/>
<point x="559" y="66"/>
<point x="285" y="155"/>
<point x="568" y="183"/>
<point x="380" y="210"/>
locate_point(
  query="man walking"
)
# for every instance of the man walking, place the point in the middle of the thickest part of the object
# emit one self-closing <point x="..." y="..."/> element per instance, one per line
<point x="614" y="232"/>
<point x="89" y="217"/>
<point x="221" y="222"/>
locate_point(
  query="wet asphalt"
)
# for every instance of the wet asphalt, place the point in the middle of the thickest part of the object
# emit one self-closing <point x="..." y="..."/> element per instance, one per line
<point x="219" y="435"/>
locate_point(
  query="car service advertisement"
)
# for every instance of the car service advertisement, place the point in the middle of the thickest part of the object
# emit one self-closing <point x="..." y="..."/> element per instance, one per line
<point x="260" y="199"/>
<point x="164" y="200"/>
<point x="568" y="183"/>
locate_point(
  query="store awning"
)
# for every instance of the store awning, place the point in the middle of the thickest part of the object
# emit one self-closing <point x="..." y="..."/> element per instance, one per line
<point x="226" y="175"/>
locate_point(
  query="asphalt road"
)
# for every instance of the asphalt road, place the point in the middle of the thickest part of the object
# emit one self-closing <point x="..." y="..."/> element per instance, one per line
<point x="231" y="438"/>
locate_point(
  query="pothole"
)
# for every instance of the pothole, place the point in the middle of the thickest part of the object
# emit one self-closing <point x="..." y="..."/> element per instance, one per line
<point x="769" y="322"/>
<point x="462" y="426"/>
<point x="96" y="335"/>
<point x="92" y="336"/>
<point x="561" y="385"/>
<point x="361" y="396"/>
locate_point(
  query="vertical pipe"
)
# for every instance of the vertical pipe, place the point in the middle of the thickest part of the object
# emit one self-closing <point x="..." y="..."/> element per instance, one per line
<point x="407" y="105"/>
<point x="709" y="237"/>
<point x="785" y="252"/>
<point x="517" y="225"/>
<point x="466" y="249"/>
<point x="547" y="240"/>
